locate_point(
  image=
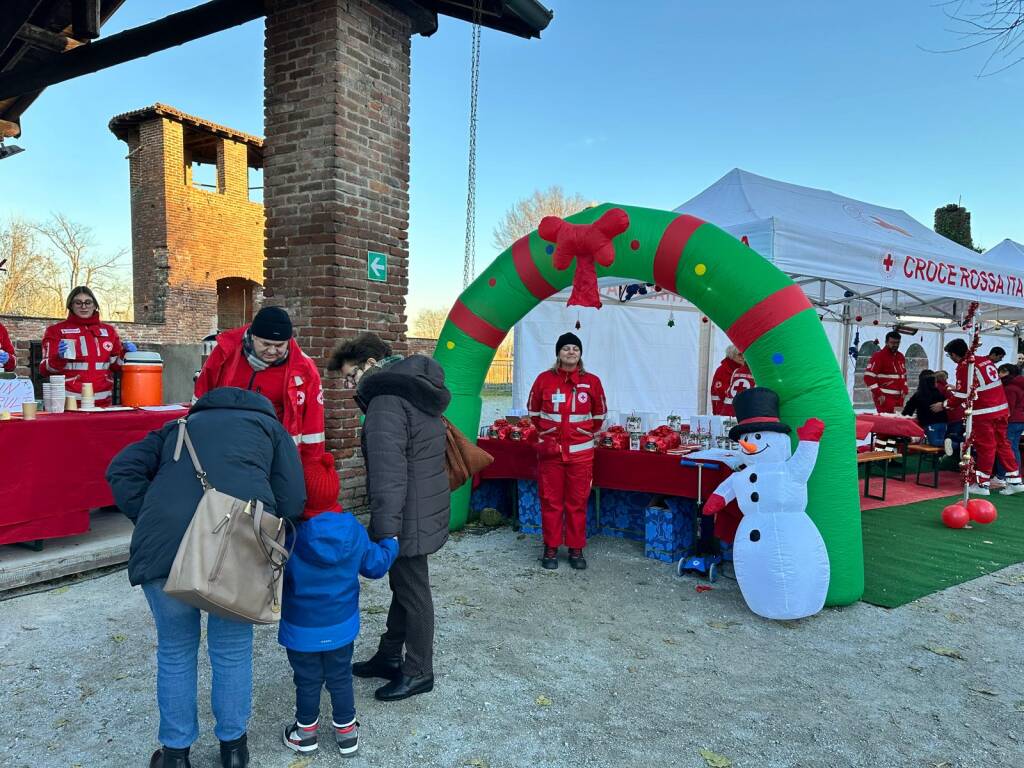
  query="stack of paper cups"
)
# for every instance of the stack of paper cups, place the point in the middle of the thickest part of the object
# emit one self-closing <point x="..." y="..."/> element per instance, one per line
<point x="53" y="397"/>
<point x="88" y="401"/>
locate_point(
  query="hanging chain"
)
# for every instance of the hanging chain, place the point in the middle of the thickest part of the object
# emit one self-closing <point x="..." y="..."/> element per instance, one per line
<point x="469" y="257"/>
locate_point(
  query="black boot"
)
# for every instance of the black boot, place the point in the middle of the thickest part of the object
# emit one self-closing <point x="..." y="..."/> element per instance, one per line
<point x="165" y="757"/>
<point x="404" y="687"/>
<point x="549" y="559"/>
<point x="577" y="560"/>
<point x="235" y="753"/>
<point x="379" y="665"/>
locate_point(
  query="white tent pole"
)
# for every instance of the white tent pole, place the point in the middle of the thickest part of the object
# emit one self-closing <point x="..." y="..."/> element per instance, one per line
<point x="847" y="333"/>
<point x="703" y="366"/>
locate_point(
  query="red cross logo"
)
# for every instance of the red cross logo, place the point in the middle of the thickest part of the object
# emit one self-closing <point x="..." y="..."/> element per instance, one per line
<point x="888" y="262"/>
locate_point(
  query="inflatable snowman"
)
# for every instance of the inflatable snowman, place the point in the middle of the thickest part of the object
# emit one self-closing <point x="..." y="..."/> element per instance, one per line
<point x="780" y="558"/>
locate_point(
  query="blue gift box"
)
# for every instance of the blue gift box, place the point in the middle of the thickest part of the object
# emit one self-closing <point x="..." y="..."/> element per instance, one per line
<point x="669" y="529"/>
<point x="529" y="509"/>
<point x="622" y="514"/>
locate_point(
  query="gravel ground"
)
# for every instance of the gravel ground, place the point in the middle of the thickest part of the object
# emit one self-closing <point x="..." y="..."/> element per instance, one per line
<point x="622" y="665"/>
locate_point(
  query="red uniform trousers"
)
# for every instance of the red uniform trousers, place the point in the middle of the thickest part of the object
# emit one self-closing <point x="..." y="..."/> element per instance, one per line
<point x="564" y="487"/>
<point x="990" y="441"/>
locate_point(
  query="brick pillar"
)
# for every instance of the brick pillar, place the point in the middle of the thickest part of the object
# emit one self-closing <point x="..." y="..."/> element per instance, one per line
<point x="336" y="176"/>
<point x="233" y="169"/>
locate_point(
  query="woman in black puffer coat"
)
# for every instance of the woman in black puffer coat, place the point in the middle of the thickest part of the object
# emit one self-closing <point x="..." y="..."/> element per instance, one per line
<point x="403" y="441"/>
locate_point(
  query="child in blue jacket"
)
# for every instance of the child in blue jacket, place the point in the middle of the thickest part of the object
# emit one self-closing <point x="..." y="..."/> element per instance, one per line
<point x="320" y="608"/>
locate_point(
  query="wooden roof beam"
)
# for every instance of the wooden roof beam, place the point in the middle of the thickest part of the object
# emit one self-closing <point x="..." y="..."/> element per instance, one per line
<point x="44" y="38"/>
<point x="15" y="15"/>
<point x="176" y="29"/>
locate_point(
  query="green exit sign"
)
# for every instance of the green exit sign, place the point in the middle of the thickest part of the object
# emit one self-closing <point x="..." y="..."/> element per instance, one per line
<point x="377" y="266"/>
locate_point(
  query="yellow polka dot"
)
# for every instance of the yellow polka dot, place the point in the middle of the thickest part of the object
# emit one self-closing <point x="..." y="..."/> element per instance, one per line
<point x="700" y="269"/>
<point x="450" y="345"/>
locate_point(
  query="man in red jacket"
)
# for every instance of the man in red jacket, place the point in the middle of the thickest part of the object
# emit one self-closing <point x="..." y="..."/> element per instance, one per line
<point x="265" y="358"/>
<point x="989" y="414"/>
<point x="886" y="375"/>
<point x="731" y="377"/>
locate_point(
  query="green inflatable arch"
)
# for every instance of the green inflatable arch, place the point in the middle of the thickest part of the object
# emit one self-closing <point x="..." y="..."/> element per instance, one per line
<point x="763" y="312"/>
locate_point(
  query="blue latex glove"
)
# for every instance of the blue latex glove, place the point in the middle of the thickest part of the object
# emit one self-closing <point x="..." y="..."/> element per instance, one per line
<point x="62" y="348"/>
<point x="4" y="357"/>
<point x="130" y="347"/>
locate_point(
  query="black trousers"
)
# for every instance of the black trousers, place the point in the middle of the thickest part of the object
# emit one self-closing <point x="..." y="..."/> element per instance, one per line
<point x="411" y="616"/>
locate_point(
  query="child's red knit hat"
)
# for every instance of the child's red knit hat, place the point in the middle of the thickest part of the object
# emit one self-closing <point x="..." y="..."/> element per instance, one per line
<point x="322" y="486"/>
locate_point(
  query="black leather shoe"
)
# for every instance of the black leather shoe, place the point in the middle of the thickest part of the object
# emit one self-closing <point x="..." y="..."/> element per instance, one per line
<point x="549" y="559"/>
<point x="577" y="560"/>
<point x="379" y="665"/>
<point x="404" y="687"/>
<point x="170" y="758"/>
<point x="234" y="754"/>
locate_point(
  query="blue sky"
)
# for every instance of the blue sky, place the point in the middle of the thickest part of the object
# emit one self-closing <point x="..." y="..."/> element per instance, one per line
<point x="645" y="106"/>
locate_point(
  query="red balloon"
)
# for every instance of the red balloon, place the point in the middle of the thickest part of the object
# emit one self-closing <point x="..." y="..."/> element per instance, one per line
<point x="981" y="511"/>
<point x="955" y="516"/>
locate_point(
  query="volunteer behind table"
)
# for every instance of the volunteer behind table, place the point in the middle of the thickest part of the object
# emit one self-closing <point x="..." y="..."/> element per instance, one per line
<point x="7" y="358"/>
<point x="83" y="349"/>
<point x="567" y="406"/>
<point x="731" y="377"/>
<point x="264" y="357"/>
<point x="886" y="375"/>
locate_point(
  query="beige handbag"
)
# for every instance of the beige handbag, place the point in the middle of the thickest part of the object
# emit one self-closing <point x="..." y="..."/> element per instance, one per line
<point x="231" y="560"/>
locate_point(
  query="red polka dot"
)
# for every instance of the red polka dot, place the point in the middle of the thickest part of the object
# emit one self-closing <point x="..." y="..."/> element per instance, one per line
<point x="703" y="319"/>
<point x="492" y="282"/>
<point x="635" y="245"/>
<point x="858" y="318"/>
<point x="874" y="322"/>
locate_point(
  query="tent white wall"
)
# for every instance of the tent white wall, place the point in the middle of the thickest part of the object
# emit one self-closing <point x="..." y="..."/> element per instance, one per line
<point x="1008" y="253"/>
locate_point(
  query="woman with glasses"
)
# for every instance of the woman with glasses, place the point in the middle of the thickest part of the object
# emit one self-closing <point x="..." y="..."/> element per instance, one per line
<point x="84" y="349"/>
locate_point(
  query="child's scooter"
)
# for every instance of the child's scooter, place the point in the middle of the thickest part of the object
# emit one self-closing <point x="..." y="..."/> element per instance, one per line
<point x="706" y="556"/>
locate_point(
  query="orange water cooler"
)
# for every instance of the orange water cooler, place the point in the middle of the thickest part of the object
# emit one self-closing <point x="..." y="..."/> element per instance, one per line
<point x="142" y="379"/>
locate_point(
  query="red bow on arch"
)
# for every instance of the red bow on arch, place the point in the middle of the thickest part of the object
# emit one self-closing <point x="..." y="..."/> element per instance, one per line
<point x="585" y="243"/>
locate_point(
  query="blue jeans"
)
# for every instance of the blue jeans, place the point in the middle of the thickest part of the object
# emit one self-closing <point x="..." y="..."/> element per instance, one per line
<point x="177" y="656"/>
<point x="1013" y="432"/>
<point x="311" y="671"/>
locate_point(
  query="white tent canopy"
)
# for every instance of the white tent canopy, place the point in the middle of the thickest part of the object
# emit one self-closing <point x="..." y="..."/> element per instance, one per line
<point x="880" y="254"/>
<point x="1007" y="254"/>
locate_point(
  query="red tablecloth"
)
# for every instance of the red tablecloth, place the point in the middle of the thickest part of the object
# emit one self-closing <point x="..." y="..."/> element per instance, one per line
<point x="51" y="469"/>
<point x="890" y="426"/>
<point x="619" y="470"/>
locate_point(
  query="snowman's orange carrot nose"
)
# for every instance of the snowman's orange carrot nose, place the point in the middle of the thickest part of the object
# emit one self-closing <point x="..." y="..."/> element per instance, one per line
<point x="748" y="447"/>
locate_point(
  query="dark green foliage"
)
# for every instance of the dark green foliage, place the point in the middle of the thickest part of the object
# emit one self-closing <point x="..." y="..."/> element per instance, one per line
<point x="954" y="222"/>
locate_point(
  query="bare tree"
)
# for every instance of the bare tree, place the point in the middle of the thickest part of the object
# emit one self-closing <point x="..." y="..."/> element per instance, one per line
<point x="428" y="323"/>
<point x="998" y="24"/>
<point x="24" y="271"/>
<point x="523" y="217"/>
<point x="72" y="245"/>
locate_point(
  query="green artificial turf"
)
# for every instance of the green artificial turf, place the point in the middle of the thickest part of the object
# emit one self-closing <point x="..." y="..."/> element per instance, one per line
<point x="909" y="553"/>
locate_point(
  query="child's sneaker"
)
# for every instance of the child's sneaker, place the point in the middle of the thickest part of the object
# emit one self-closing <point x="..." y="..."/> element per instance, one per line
<point x="301" y="738"/>
<point x="348" y="738"/>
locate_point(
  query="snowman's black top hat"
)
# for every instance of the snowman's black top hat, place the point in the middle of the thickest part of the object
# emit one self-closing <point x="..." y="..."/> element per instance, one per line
<point x="757" y="410"/>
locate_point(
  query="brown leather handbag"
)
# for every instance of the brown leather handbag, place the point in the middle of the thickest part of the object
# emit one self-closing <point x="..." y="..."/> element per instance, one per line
<point x="232" y="557"/>
<point x="463" y="458"/>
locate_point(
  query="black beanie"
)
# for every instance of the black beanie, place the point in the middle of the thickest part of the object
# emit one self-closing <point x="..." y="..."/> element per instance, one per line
<point x="568" y="338"/>
<point x="272" y="324"/>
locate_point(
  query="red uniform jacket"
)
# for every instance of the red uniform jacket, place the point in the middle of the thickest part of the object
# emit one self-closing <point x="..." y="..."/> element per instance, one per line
<point x="991" y="401"/>
<point x="567" y="408"/>
<point x="297" y="389"/>
<point x="955" y="412"/>
<point x="886" y="378"/>
<point x="720" y="385"/>
<point x="1014" y="389"/>
<point x="6" y="346"/>
<point x="94" y="353"/>
<point x="741" y="379"/>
